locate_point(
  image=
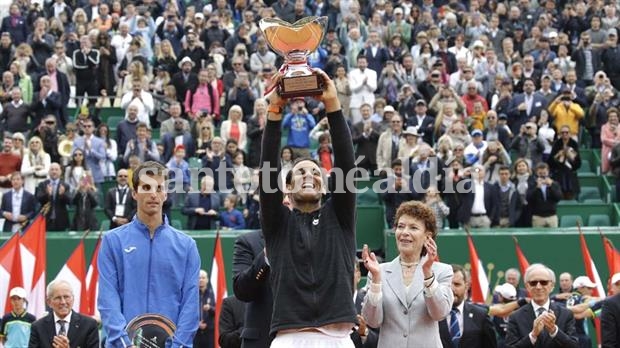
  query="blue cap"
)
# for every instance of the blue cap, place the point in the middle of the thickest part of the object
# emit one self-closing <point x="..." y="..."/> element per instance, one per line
<point x="476" y="132"/>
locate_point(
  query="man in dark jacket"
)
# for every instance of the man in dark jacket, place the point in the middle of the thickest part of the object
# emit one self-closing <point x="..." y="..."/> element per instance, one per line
<point x="479" y="211"/>
<point x="543" y="198"/>
<point x="288" y="246"/>
<point x="58" y="193"/>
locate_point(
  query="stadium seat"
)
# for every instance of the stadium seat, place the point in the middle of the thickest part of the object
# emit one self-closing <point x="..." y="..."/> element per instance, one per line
<point x="570" y="220"/>
<point x="195" y="162"/>
<point x="369" y="197"/>
<point x="568" y="202"/>
<point x="593" y="201"/>
<point x="589" y="192"/>
<point x="598" y="220"/>
<point x="585" y="167"/>
<point x="177" y="224"/>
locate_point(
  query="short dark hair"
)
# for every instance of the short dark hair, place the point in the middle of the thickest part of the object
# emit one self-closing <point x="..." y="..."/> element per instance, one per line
<point x="458" y="268"/>
<point x="289" y="175"/>
<point x="420" y="211"/>
<point x="504" y="167"/>
<point x="149" y="168"/>
<point x="542" y="165"/>
<point x="142" y="125"/>
<point x="397" y="162"/>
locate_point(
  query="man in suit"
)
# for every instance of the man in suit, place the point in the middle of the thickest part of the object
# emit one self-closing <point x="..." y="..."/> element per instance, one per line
<point x="366" y="135"/>
<point x="526" y="106"/>
<point x="479" y="212"/>
<point x="85" y="64"/>
<point x="18" y="205"/>
<point x="202" y="208"/>
<point x="468" y="324"/>
<point x="251" y="285"/>
<point x="120" y="206"/>
<point x="60" y="85"/>
<point x="63" y="327"/>
<point x="422" y="121"/>
<point x="46" y="102"/>
<point x="610" y="322"/>
<point x="169" y="141"/>
<point x="57" y="193"/>
<point x="94" y="151"/>
<point x="424" y="172"/>
<point x="541" y="323"/>
<point x="587" y="60"/>
<point x="231" y="322"/>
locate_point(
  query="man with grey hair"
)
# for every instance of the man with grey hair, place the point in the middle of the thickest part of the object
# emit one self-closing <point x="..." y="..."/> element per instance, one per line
<point x="541" y="323"/>
<point x="63" y="327"/>
<point x="513" y="277"/>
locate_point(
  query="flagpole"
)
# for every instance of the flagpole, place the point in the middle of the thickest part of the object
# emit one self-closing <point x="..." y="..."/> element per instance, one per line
<point x="44" y="210"/>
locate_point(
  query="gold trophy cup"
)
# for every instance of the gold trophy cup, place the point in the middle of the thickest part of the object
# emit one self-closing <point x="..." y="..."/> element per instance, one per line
<point x="295" y="42"/>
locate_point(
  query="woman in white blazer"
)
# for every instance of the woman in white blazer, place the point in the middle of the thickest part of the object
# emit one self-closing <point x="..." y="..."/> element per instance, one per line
<point x="35" y="164"/>
<point x="409" y="296"/>
<point x="234" y="128"/>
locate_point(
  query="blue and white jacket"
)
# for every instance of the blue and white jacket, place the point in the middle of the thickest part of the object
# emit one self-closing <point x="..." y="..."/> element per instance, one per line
<point x="139" y="275"/>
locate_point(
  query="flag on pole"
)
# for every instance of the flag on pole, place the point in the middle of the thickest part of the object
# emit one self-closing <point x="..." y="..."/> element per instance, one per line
<point x="612" y="255"/>
<point x="523" y="263"/>
<point x="92" y="281"/>
<point x="10" y="276"/>
<point x="33" y="255"/>
<point x="75" y="273"/>
<point x="479" y="280"/>
<point x="218" y="282"/>
<point x="590" y="268"/>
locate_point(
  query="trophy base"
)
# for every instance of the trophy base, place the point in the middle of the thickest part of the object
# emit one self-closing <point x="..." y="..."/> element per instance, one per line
<point x="150" y="331"/>
<point x="301" y="86"/>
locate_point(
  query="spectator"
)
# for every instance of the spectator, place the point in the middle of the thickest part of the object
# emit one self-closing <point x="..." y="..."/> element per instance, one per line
<point x="480" y="207"/>
<point x="86" y="61"/>
<point x="363" y="82"/>
<point x="178" y="166"/>
<point x="242" y="94"/>
<point x="127" y="128"/>
<point x="434" y="201"/>
<point x="57" y="193"/>
<point x="59" y="84"/>
<point x="395" y="191"/>
<point x="111" y="151"/>
<point x="219" y="162"/>
<point x="510" y="202"/>
<point x="610" y="58"/>
<point x="185" y="79"/>
<point x="85" y="200"/>
<point x="204" y="97"/>
<point x="18" y="205"/>
<point x="262" y="56"/>
<point x="175" y="112"/>
<point x="94" y="151"/>
<point x="234" y="127"/>
<point x="493" y="159"/>
<point x="202" y="208"/>
<point x="610" y="136"/>
<point x="120" y="205"/>
<point x="35" y="165"/>
<point x="299" y="124"/>
<point x="9" y="163"/>
<point x="47" y="102"/>
<point x="256" y="125"/>
<point x="475" y="150"/>
<point x="528" y="144"/>
<point x="231" y="218"/>
<point x="389" y="143"/>
<point x="15" y="114"/>
<point x="564" y="162"/>
<point x="142" y="99"/>
<point x="141" y="146"/>
<point x="15" y="25"/>
<point x="543" y="198"/>
<point x="492" y="132"/>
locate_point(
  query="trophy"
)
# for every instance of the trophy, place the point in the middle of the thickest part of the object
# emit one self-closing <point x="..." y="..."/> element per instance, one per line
<point x="150" y="330"/>
<point x="295" y="42"/>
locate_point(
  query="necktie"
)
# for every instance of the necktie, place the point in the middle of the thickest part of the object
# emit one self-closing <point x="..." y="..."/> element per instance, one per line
<point x="121" y="194"/>
<point x="540" y="311"/>
<point x="63" y="330"/>
<point x="455" y="330"/>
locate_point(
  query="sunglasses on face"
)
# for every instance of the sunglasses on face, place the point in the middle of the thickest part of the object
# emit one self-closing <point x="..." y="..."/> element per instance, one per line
<point x="534" y="283"/>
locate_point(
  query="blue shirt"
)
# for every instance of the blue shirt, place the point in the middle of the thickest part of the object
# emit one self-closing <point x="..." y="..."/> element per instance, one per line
<point x="299" y="127"/>
<point x="16" y="329"/>
<point x="233" y="219"/>
<point x="139" y="274"/>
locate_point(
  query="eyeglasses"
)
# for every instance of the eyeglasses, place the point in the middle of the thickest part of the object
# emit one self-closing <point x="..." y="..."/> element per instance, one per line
<point x="534" y="283"/>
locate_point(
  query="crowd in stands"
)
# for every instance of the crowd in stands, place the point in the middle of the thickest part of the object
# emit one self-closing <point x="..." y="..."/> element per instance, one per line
<point x="504" y="93"/>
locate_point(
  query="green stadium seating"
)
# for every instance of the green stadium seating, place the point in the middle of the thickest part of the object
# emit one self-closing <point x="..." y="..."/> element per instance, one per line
<point x="370" y="223"/>
<point x="105" y="225"/>
<point x="585" y="167"/>
<point x="195" y="162"/>
<point x="597" y="220"/>
<point x="593" y="201"/>
<point x="567" y="202"/>
<point x="589" y="192"/>
<point x="570" y="220"/>
<point x="369" y="197"/>
<point x="177" y="224"/>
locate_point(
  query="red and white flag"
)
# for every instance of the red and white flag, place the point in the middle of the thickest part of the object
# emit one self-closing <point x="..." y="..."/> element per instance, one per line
<point x="523" y="263"/>
<point x="218" y="282"/>
<point x="74" y="271"/>
<point x="479" y="280"/>
<point x="10" y="270"/>
<point x="92" y="282"/>
<point x="33" y="255"/>
<point x="590" y="268"/>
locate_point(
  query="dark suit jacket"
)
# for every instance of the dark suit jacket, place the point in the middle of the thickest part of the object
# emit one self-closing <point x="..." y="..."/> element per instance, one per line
<point x="231" y="322"/>
<point x="28" y="208"/>
<point x="251" y="285"/>
<point x="491" y="204"/>
<point x="426" y="129"/>
<point x="181" y="86"/>
<point x="52" y="106"/>
<point x="58" y="205"/>
<point x="82" y="332"/>
<point x="110" y="205"/>
<point x="610" y="322"/>
<point x="521" y="322"/>
<point x="366" y="145"/>
<point x="192" y="201"/>
<point x="502" y="135"/>
<point x="373" y="334"/>
<point x="477" y="329"/>
<point x="516" y="118"/>
<point x="169" y="145"/>
<point x="64" y="90"/>
<point x="579" y="58"/>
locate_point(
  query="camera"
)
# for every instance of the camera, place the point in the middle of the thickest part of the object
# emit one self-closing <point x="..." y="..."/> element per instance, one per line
<point x="300" y="108"/>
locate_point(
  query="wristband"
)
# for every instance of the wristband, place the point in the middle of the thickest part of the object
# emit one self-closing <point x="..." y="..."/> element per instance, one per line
<point x="429" y="278"/>
<point x="274" y="109"/>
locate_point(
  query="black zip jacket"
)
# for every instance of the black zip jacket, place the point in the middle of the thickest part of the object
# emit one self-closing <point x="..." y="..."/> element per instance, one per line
<point x="311" y="254"/>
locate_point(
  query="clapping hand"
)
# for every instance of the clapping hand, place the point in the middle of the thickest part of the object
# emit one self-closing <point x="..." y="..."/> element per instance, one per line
<point x="371" y="264"/>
